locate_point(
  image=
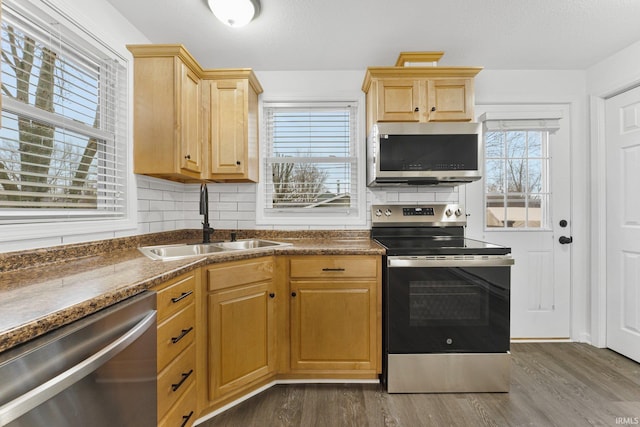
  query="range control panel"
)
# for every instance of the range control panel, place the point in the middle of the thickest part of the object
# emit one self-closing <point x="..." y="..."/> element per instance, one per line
<point x="431" y="215"/>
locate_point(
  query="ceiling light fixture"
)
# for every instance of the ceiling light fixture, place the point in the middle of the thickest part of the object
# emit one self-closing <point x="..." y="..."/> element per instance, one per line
<point x="235" y="13"/>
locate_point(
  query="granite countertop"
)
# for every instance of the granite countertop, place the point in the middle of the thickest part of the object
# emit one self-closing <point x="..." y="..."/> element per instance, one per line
<point x="44" y="289"/>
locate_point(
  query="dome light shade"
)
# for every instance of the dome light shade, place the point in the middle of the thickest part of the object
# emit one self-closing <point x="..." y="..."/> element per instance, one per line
<point x="235" y="13"/>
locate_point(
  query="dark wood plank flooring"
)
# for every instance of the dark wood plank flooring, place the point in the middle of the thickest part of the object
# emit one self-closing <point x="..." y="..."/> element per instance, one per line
<point x="552" y="384"/>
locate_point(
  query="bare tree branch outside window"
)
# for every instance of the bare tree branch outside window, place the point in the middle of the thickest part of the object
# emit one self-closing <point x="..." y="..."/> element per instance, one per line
<point x="49" y="166"/>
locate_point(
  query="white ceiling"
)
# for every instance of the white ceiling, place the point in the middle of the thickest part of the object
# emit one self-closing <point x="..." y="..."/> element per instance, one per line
<point x="355" y="34"/>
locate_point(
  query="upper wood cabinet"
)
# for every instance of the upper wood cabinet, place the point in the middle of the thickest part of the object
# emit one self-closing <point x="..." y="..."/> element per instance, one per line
<point x="419" y="93"/>
<point x="192" y="124"/>
<point x="167" y="123"/>
<point x="231" y="97"/>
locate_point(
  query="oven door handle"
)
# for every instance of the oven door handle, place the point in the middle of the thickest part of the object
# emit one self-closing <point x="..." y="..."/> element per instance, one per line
<point x="451" y="261"/>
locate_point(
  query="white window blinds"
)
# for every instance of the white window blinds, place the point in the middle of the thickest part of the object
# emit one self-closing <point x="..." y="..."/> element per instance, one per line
<point x="64" y="112"/>
<point x="311" y="158"/>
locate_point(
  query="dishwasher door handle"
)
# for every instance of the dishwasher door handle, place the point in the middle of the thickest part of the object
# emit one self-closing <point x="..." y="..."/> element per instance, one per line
<point x="35" y="397"/>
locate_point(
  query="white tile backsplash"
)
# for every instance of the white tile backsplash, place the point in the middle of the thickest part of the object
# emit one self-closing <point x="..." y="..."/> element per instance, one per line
<point x="165" y="205"/>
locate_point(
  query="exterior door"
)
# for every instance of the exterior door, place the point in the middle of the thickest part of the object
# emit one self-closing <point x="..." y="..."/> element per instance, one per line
<point x="623" y="223"/>
<point x="524" y="202"/>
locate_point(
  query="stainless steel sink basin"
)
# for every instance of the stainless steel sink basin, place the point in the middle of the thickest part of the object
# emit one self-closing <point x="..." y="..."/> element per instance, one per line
<point x="173" y="252"/>
<point x="181" y="251"/>
<point x="250" y="244"/>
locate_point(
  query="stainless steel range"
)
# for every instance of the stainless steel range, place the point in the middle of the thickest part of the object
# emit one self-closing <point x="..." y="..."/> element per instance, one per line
<point x="445" y="302"/>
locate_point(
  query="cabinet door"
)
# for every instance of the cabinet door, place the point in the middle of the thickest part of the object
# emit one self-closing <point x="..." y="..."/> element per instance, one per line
<point x="398" y="100"/>
<point x="333" y="325"/>
<point x="228" y="128"/>
<point x="190" y="121"/>
<point x="242" y="332"/>
<point x="450" y="99"/>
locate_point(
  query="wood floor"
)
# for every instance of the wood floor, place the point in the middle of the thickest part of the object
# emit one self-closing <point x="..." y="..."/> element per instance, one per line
<point x="552" y="384"/>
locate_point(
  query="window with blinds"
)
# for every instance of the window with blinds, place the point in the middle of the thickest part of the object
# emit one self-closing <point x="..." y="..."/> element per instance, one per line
<point x="310" y="160"/>
<point x="64" y="112"/>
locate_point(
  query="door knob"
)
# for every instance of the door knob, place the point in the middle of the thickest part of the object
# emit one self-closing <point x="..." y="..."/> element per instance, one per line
<point x="564" y="240"/>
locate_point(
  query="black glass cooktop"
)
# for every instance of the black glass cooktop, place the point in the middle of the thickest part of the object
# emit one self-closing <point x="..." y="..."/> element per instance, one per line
<point x="439" y="245"/>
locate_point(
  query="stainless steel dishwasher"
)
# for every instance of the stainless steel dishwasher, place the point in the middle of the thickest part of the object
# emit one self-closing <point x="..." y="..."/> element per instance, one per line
<point x="97" y="371"/>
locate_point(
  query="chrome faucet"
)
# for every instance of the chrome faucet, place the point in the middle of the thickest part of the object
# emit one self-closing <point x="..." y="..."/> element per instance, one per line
<point x="207" y="230"/>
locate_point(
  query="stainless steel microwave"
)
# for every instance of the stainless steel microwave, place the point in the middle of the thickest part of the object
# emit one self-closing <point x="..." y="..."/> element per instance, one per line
<point x="443" y="153"/>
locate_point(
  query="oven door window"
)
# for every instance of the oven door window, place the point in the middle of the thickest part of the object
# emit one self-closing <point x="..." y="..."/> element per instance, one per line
<point x="434" y="310"/>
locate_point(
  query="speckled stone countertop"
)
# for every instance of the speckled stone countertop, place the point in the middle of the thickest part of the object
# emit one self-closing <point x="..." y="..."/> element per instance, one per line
<point x="43" y="289"/>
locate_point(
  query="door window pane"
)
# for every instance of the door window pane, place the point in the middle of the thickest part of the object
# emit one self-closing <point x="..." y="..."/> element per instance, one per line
<point x="517" y="179"/>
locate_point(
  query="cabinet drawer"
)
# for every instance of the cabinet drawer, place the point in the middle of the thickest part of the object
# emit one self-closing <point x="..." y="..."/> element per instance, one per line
<point x="179" y="293"/>
<point x="183" y="413"/>
<point x="240" y="273"/>
<point x="175" y="379"/>
<point x="333" y="266"/>
<point x="175" y="334"/>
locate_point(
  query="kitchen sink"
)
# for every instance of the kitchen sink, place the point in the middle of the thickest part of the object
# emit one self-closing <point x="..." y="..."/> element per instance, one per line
<point x="185" y="250"/>
<point x="250" y="244"/>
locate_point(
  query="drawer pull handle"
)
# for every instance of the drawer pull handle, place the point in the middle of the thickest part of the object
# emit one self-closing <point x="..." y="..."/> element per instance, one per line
<point x="182" y="335"/>
<point x="181" y="297"/>
<point x="186" y="419"/>
<point x="333" y="269"/>
<point x="175" y="387"/>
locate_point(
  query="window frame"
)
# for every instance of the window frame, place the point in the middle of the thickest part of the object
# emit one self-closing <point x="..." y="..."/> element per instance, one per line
<point x="534" y="121"/>
<point x="319" y="217"/>
<point x="65" y="223"/>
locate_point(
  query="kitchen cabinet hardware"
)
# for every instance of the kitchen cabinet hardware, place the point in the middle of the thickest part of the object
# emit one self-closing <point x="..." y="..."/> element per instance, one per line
<point x="417" y="109"/>
<point x="333" y="269"/>
<point x="564" y="240"/>
<point x="238" y="163"/>
<point x="293" y="294"/>
<point x="183" y="333"/>
<point x="186" y="419"/>
<point x="433" y="108"/>
<point x="181" y="297"/>
<point x="272" y="295"/>
<point x="188" y="157"/>
<point x="175" y="387"/>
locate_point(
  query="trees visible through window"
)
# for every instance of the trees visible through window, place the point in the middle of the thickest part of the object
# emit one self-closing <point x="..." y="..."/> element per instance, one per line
<point x="63" y="119"/>
<point x="310" y="159"/>
<point x="517" y="179"/>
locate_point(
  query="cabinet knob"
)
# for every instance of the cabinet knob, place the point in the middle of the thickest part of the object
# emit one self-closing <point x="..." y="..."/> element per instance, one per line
<point x="188" y="156"/>
<point x="293" y="294"/>
<point x="272" y="295"/>
<point x="417" y="109"/>
<point x="238" y="163"/>
<point x="433" y="108"/>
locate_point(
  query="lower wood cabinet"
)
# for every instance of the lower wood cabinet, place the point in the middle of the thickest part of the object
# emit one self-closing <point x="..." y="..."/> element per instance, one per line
<point x="334" y="315"/>
<point x="241" y="324"/>
<point x="176" y="362"/>
<point x="285" y="317"/>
